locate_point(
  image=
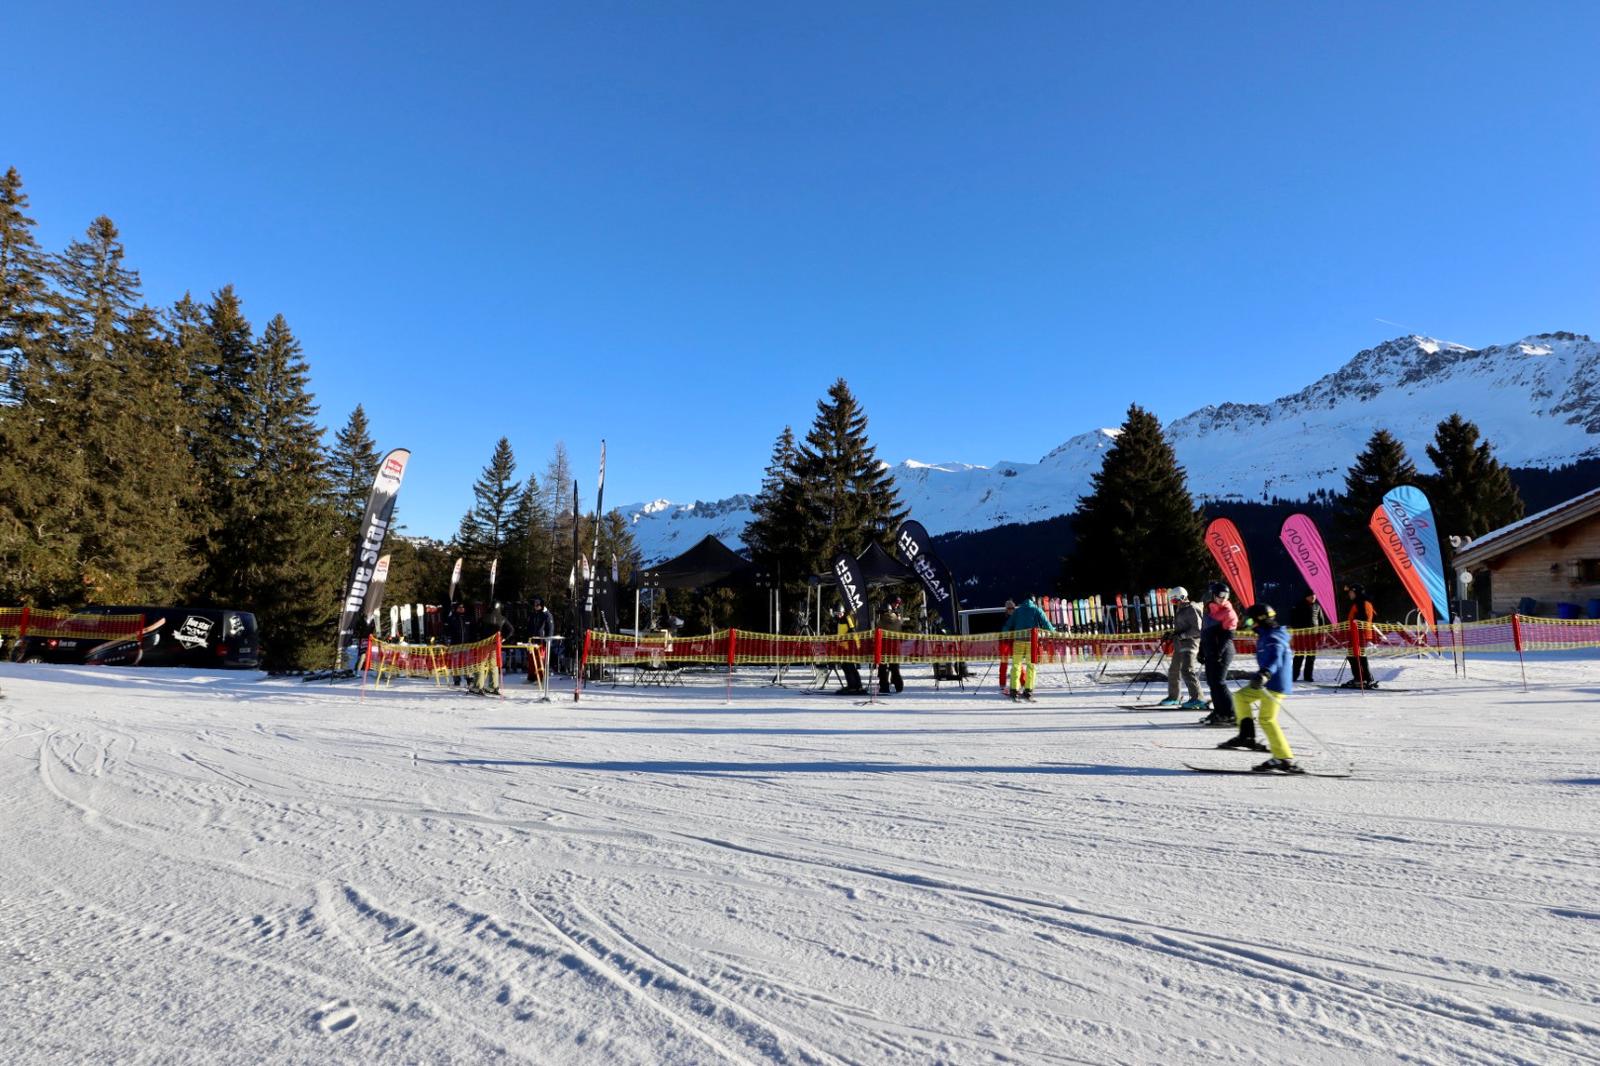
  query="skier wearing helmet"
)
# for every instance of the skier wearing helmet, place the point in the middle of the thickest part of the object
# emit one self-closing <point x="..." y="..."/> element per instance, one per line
<point x="1185" y="637"/>
<point x="1216" y="652"/>
<point x="1264" y="694"/>
<point x="845" y="629"/>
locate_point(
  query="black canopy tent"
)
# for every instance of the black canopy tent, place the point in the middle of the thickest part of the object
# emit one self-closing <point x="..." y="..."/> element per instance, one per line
<point x="709" y="564"/>
<point x="875" y="567"/>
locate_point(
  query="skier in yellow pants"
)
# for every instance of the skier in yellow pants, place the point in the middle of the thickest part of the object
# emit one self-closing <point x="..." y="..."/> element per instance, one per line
<point x="1265" y="693"/>
<point x="1020" y="623"/>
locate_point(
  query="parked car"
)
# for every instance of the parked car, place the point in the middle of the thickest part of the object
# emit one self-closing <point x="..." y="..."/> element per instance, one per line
<point x="172" y="636"/>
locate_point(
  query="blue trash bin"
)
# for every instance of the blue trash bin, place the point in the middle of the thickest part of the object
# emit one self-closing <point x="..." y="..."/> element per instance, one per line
<point x="1568" y="611"/>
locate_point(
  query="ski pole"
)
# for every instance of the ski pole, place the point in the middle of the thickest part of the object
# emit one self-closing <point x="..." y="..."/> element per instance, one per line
<point x="1141" y="670"/>
<point x="1153" y="677"/>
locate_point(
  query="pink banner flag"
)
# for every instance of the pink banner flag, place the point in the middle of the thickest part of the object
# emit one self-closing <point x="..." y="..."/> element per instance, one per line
<point x="1227" y="548"/>
<point x="1303" y="541"/>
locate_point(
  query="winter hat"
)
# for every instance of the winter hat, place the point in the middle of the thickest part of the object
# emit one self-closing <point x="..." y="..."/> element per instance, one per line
<point x="1178" y="592"/>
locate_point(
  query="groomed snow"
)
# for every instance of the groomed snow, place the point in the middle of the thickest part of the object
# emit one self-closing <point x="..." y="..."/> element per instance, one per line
<point x="222" y="868"/>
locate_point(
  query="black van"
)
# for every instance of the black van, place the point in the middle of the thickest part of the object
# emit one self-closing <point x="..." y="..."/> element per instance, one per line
<point x="173" y="636"/>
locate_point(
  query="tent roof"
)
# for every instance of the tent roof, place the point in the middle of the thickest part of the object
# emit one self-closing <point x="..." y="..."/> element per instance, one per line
<point x="877" y="567"/>
<point x="708" y="563"/>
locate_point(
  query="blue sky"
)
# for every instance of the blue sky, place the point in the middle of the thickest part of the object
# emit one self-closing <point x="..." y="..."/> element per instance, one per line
<point x="673" y="225"/>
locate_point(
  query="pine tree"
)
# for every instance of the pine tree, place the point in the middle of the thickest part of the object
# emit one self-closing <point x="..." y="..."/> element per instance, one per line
<point x="1138" y="528"/>
<point x="556" y="489"/>
<point x="224" y="443"/>
<point x="39" y="487"/>
<point x="1472" y="493"/>
<point x="850" y="497"/>
<point x="773" y="534"/>
<point x="24" y="292"/>
<point x="279" y="557"/>
<point x="484" y="529"/>
<point x="1381" y="466"/>
<point x="352" y="465"/>
<point x="526" y="565"/>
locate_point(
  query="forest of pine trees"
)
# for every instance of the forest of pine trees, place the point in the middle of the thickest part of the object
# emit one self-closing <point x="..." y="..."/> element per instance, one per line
<point x="173" y="455"/>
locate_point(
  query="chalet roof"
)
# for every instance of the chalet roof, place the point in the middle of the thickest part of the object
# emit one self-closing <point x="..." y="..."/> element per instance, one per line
<point x="1495" y="544"/>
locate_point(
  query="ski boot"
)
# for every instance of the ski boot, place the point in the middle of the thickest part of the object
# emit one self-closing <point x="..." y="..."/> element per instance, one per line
<point x="1170" y="701"/>
<point x="1279" y="766"/>
<point x="1246" y="740"/>
<point x="1217" y="718"/>
<point x="1195" y="705"/>
<point x="1027" y="695"/>
<point x="1011" y="694"/>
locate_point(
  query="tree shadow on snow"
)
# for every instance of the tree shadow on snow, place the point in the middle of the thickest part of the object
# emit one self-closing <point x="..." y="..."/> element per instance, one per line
<point x="700" y="767"/>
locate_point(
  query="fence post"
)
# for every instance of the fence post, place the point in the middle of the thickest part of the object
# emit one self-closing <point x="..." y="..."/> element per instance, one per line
<point x="583" y="659"/>
<point x="1516" y="641"/>
<point x="733" y="650"/>
<point x="877" y="656"/>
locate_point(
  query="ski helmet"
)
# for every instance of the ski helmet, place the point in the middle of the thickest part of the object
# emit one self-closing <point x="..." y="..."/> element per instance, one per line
<point x="1217" y="588"/>
<point x="1261" y="614"/>
<point x="1178" y="593"/>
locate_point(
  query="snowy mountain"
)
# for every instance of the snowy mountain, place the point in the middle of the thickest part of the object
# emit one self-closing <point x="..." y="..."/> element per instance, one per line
<point x="1537" y="400"/>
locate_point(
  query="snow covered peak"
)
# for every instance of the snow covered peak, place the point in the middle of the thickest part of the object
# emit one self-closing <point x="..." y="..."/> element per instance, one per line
<point x="1537" y="400"/>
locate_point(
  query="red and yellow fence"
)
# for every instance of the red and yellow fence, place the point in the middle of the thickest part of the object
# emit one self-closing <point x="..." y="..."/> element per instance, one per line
<point x="733" y="647"/>
<point x="479" y="662"/>
<point x="19" y="622"/>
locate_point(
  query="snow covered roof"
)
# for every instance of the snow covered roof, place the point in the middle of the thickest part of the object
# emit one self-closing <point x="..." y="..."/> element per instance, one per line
<point x="1497" y="543"/>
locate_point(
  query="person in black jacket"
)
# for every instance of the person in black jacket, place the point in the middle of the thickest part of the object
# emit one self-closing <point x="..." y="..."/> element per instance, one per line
<point x="1307" y="614"/>
<point x="541" y="624"/>
<point x="1216" y="652"/>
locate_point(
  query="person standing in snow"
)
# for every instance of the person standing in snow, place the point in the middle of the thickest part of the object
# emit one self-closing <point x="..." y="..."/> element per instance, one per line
<point x="1362" y="613"/>
<point x="1024" y="673"/>
<point x="845" y="628"/>
<point x="1185" y="637"/>
<point x="1265" y="693"/>
<point x="1216" y="652"/>
<point x="1307" y="614"/>
<point x="891" y="619"/>
<point x="541" y="625"/>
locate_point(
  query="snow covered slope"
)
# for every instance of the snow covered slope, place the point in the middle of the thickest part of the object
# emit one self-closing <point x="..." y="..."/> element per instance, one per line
<point x="221" y="868"/>
<point x="1537" y="400"/>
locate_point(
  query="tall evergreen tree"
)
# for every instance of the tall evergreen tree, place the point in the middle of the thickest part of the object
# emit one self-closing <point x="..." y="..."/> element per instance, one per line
<point x="773" y="534"/>
<point x="24" y="292"/>
<point x="1138" y="528"/>
<point x="556" y="487"/>
<point x="485" y="528"/>
<point x="352" y="465"/>
<point x="1472" y="493"/>
<point x="526" y="564"/>
<point x="850" y="497"/>
<point x="282" y="560"/>
<point x="224" y="442"/>
<point x="1382" y="465"/>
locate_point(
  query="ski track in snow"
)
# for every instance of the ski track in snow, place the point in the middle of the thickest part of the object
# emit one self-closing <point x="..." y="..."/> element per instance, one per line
<point x="205" y="868"/>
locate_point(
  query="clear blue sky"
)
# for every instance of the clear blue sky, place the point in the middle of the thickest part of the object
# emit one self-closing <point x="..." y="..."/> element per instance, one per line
<point x="673" y="225"/>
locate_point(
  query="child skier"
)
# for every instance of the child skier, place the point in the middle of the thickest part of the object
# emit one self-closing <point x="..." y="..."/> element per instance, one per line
<point x="1266" y="691"/>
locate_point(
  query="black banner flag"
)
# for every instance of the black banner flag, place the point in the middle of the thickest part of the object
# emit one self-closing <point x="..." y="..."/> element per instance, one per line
<point x="374" y="526"/>
<point x="851" y="589"/>
<point x="916" y="551"/>
<point x="374" y="601"/>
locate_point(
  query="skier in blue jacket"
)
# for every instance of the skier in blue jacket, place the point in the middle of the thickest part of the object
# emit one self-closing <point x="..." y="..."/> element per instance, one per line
<point x="1024" y="674"/>
<point x="1265" y="693"/>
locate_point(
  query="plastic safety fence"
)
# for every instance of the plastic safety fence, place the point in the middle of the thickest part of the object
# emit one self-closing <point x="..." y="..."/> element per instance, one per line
<point x="730" y="647"/>
<point x="439" y="662"/>
<point x="18" y="622"/>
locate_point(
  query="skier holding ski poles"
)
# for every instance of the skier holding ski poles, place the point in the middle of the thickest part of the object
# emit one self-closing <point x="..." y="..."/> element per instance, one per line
<point x="1265" y="693"/>
<point x="1185" y="637"/>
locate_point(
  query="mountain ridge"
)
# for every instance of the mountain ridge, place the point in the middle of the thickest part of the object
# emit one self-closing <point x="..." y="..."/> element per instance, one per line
<point x="1536" y="399"/>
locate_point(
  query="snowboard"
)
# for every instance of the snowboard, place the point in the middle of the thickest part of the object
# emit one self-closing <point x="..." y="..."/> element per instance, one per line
<point x="1267" y="773"/>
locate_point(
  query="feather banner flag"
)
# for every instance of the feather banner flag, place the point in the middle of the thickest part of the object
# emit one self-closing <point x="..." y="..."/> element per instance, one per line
<point x="1227" y="548"/>
<point x="1394" y="547"/>
<point x="1412" y="516"/>
<point x="1303" y="541"/>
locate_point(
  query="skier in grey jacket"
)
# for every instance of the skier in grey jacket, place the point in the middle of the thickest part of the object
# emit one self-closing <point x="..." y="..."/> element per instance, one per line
<point x="1185" y="637"/>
